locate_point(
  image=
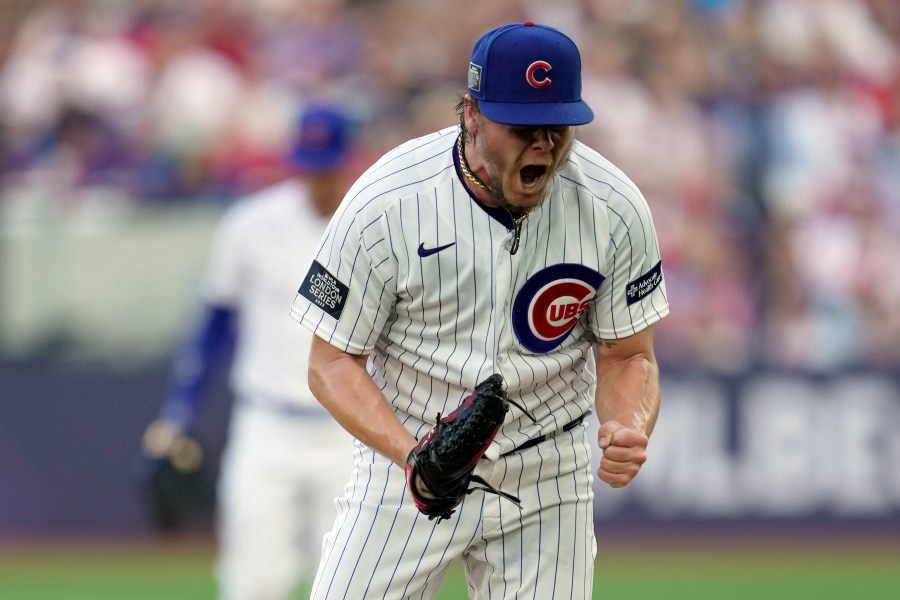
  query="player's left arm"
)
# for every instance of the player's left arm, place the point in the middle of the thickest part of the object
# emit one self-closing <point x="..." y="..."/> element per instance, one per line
<point x="627" y="401"/>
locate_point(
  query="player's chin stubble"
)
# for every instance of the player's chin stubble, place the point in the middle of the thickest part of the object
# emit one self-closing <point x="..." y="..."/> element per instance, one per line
<point x="495" y="182"/>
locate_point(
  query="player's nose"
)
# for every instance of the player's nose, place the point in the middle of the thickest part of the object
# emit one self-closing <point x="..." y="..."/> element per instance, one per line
<point x="542" y="138"/>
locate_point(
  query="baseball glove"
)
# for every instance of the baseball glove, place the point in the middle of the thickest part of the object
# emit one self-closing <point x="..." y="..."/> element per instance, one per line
<point x="174" y="478"/>
<point x="440" y="468"/>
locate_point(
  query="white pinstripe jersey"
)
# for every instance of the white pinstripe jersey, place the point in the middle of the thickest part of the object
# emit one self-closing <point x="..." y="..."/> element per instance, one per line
<point x="417" y="273"/>
<point x="264" y="235"/>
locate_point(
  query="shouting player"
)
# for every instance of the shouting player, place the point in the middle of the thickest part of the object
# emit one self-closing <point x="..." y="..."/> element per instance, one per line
<point x="501" y="246"/>
<point x="285" y="460"/>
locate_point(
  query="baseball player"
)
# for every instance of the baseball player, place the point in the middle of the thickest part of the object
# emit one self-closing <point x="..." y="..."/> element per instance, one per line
<point x="499" y="247"/>
<point x="285" y="460"/>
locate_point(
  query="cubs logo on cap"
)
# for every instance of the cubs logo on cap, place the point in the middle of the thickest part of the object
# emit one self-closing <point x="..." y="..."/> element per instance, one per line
<point x="535" y="79"/>
<point x="528" y="74"/>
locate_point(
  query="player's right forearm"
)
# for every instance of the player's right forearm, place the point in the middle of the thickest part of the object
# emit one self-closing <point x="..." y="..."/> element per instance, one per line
<point x="628" y="381"/>
<point x="342" y="385"/>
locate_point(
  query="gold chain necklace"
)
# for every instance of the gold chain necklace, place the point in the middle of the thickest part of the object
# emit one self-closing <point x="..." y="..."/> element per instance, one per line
<point x="464" y="166"/>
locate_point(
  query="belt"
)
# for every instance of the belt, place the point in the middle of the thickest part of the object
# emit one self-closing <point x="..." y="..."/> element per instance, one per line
<point x="547" y="436"/>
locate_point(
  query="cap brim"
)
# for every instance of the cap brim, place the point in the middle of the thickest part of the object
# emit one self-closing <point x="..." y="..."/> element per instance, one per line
<point x="533" y="113"/>
<point x="318" y="160"/>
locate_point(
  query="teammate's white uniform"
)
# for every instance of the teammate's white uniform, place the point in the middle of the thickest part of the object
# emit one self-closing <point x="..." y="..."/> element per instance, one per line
<point x="286" y="460"/>
<point x="418" y="274"/>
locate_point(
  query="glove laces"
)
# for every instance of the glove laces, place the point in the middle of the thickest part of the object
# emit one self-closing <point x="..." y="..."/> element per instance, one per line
<point x="486" y="487"/>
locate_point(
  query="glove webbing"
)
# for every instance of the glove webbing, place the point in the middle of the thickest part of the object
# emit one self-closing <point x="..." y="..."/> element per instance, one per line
<point x="484" y="485"/>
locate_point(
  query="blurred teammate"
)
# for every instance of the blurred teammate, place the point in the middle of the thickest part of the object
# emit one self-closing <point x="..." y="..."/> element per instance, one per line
<point x="285" y="460"/>
<point x="501" y="245"/>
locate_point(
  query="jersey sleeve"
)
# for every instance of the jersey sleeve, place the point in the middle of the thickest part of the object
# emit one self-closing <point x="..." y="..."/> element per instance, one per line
<point x="221" y="285"/>
<point x="633" y="295"/>
<point x="209" y="341"/>
<point x="347" y="294"/>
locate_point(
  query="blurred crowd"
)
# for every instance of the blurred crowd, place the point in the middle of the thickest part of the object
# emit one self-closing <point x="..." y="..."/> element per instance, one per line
<point x="765" y="134"/>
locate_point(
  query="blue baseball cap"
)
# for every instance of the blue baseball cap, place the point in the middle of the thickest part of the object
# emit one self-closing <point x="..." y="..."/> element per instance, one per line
<point x="528" y="74"/>
<point x="322" y="139"/>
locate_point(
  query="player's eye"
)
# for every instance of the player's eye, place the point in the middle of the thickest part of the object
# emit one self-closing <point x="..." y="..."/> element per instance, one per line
<point x="525" y="133"/>
<point x="529" y="133"/>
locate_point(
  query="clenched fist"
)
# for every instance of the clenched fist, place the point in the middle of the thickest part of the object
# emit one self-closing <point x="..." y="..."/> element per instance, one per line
<point x="624" y="452"/>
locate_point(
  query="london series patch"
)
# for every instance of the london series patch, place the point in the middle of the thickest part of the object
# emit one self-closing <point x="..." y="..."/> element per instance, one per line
<point x="324" y="290"/>
<point x="474" y="77"/>
<point x="643" y="285"/>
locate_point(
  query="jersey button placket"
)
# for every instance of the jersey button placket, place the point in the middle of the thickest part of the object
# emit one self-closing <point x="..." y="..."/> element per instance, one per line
<point x="504" y="302"/>
<point x="502" y="320"/>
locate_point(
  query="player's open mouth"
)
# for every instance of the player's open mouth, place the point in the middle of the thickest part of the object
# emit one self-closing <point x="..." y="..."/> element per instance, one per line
<point x="532" y="175"/>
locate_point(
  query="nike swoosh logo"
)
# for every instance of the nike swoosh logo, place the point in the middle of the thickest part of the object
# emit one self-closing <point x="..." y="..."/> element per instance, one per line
<point x="423" y="251"/>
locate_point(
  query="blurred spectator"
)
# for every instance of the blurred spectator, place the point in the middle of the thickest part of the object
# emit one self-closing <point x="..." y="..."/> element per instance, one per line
<point x="764" y="133"/>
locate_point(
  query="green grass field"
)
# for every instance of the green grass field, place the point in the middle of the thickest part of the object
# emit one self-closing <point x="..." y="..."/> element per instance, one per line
<point x="645" y="569"/>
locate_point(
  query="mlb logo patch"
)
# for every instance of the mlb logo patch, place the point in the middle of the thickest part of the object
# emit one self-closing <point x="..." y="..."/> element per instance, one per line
<point x="474" y="77"/>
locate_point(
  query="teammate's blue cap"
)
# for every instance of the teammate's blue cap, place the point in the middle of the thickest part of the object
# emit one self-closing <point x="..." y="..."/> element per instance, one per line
<point x="527" y="74"/>
<point x="322" y="141"/>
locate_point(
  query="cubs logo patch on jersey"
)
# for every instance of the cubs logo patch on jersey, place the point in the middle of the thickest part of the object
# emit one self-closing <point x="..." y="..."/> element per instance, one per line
<point x="643" y="285"/>
<point x="324" y="290"/>
<point x="548" y="306"/>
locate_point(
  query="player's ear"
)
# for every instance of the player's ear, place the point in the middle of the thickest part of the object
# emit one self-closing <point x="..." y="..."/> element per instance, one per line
<point x="470" y="114"/>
